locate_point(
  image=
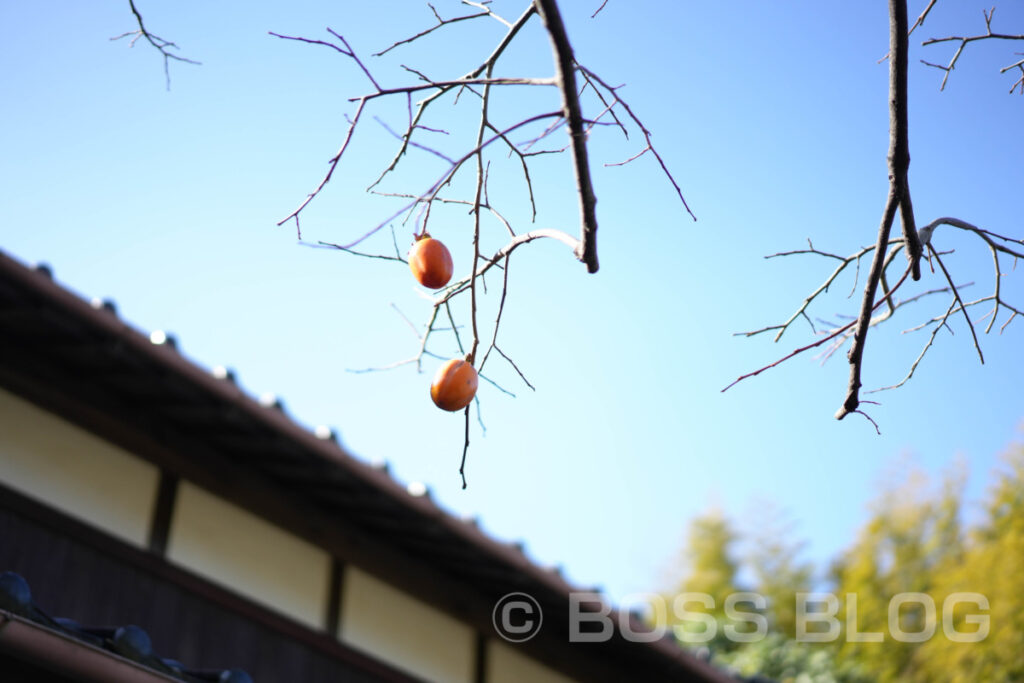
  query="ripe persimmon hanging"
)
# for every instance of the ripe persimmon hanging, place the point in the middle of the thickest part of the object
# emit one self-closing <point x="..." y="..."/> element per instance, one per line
<point x="454" y="385"/>
<point x="430" y="262"/>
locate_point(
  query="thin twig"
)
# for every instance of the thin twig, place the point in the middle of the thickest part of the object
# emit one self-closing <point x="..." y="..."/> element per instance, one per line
<point x="516" y="242"/>
<point x="497" y="318"/>
<point x="360" y="253"/>
<point x="647" y="137"/>
<point x="965" y="40"/>
<point x="332" y="165"/>
<point x="796" y="352"/>
<point x="163" y="46"/>
<point x="824" y="287"/>
<point x="956" y="296"/>
<point x="431" y="193"/>
<point x="440" y="24"/>
<point x="465" y="449"/>
<point x="421" y="107"/>
<point x="913" y="368"/>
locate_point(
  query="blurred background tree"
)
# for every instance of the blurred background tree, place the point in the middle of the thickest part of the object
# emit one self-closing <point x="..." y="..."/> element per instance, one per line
<point x="919" y="537"/>
<point x="992" y="563"/>
<point x="912" y="536"/>
<point x="711" y="567"/>
<point x="778" y="572"/>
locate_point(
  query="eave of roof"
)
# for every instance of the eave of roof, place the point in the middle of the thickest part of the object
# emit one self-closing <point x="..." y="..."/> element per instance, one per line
<point x="53" y="650"/>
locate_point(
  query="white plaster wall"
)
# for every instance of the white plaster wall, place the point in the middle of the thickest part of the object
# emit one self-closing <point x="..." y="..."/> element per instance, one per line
<point x="249" y="555"/>
<point x="403" y="631"/>
<point x="70" y="469"/>
<point x="506" y="665"/>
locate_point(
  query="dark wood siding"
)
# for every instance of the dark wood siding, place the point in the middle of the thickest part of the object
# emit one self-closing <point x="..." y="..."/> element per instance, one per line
<point x="14" y="670"/>
<point x="77" y="572"/>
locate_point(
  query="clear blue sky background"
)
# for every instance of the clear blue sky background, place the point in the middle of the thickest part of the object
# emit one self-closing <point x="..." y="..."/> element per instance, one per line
<point x="773" y="119"/>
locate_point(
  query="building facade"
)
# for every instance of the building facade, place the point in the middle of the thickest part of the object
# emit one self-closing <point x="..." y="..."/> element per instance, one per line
<point x="139" y="488"/>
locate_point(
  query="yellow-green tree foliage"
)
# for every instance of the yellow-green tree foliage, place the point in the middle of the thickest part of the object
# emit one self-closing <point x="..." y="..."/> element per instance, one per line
<point x="912" y="536"/>
<point x="778" y="572"/>
<point x="914" y="543"/>
<point x="993" y="565"/>
<point x="713" y="565"/>
<point x="710" y="571"/>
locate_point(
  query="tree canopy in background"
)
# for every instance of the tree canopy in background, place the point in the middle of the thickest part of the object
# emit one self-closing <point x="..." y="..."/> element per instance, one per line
<point x="915" y="540"/>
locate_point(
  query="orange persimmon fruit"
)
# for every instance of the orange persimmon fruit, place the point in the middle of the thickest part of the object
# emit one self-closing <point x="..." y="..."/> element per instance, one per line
<point x="454" y="385"/>
<point x="430" y="262"/>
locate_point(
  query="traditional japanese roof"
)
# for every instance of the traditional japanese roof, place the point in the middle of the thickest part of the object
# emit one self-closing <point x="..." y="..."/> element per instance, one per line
<point x="104" y="653"/>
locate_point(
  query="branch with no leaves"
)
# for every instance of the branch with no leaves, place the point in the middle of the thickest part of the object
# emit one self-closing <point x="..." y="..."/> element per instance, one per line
<point x="571" y="113"/>
<point x="966" y="40"/>
<point x="830" y="336"/>
<point x="1000" y="246"/>
<point x="919" y="22"/>
<point x="921" y="17"/>
<point x="899" y="198"/>
<point x="490" y="128"/>
<point x="162" y="45"/>
<point x="913" y="241"/>
<point x="590" y="75"/>
<point x="440" y="87"/>
<point x="441" y="23"/>
<point x="801" y="311"/>
<point x="565" y="65"/>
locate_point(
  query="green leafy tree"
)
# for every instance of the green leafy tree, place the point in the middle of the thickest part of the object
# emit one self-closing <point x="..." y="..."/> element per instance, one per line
<point x="992" y="566"/>
<point x="911" y="538"/>
<point x="773" y="561"/>
<point x="785" y="660"/>
<point x="778" y="572"/>
<point x="711" y="568"/>
<point x="913" y="542"/>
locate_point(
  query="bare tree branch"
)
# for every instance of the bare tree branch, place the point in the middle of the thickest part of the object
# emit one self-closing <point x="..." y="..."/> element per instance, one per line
<point x="999" y="245"/>
<point x="427" y="198"/>
<point x="922" y="17"/>
<point x="440" y="24"/>
<point x="956" y="299"/>
<point x="415" y="210"/>
<point x="163" y="46"/>
<point x="465" y="450"/>
<point x="565" y="64"/>
<point x="886" y="249"/>
<point x="917" y="361"/>
<point x="647" y="137"/>
<point x="965" y="40"/>
<point x="421" y="107"/>
<point x="802" y="310"/>
<point x="360" y="253"/>
<point x="512" y="245"/>
<point x="919" y="22"/>
<point x="835" y="333"/>
<point x="899" y="162"/>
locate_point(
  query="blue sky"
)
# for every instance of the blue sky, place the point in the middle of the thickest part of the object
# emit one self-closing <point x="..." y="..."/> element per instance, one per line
<point x="772" y="118"/>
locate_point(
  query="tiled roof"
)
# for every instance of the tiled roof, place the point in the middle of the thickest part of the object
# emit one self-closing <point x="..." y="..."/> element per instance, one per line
<point x="100" y="650"/>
